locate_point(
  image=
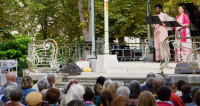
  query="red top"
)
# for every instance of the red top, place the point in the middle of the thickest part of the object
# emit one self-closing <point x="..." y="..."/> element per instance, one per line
<point x="164" y="104"/>
<point x="176" y="100"/>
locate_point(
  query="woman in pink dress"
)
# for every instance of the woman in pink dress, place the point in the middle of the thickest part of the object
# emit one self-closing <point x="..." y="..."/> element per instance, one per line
<point x="186" y="44"/>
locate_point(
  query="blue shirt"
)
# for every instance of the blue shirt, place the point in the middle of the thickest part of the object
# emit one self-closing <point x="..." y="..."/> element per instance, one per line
<point x="25" y="93"/>
<point x="144" y="87"/>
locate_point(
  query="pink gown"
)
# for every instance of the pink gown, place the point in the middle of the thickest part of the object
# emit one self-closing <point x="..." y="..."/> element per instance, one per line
<point x="160" y="34"/>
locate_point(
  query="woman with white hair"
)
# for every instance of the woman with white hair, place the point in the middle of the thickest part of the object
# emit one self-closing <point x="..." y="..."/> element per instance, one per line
<point x="77" y="89"/>
<point x="69" y="97"/>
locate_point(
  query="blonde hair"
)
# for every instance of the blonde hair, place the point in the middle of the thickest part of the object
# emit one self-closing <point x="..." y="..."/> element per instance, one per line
<point x="112" y="87"/>
<point x="26" y="82"/>
<point x="146" y="99"/>
<point x="106" y="83"/>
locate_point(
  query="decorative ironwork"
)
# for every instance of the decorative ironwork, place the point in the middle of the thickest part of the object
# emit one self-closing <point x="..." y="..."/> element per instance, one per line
<point x="188" y="52"/>
<point x="43" y="54"/>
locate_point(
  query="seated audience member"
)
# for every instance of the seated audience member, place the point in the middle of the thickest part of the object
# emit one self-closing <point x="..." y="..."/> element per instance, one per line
<point x="15" y="98"/>
<point x="145" y="87"/>
<point x="178" y="86"/>
<point x="88" y="97"/>
<point x="120" y="101"/>
<point x="75" y="103"/>
<point x="7" y="90"/>
<point x="112" y="87"/>
<point x="34" y="99"/>
<point x="42" y="84"/>
<point x="26" y="86"/>
<point x="149" y="84"/>
<point x="100" y="80"/>
<point x="106" y="98"/>
<point x="135" y="91"/>
<point x="69" y="97"/>
<point x="156" y="84"/>
<point x="177" y="101"/>
<point x="123" y="91"/>
<point x="186" y="94"/>
<point x="197" y="98"/>
<point x="146" y="99"/>
<point x="97" y="90"/>
<point x="193" y="92"/>
<point x="77" y="89"/>
<point x="106" y="83"/>
<point x="51" y="80"/>
<point x="10" y="77"/>
<point x="52" y="96"/>
<point x="164" y="94"/>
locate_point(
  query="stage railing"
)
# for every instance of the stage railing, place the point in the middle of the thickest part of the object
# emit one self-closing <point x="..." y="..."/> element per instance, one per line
<point x="72" y="52"/>
<point x="181" y="50"/>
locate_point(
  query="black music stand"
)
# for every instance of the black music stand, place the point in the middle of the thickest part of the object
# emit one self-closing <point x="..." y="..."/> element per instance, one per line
<point x="172" y="24"/>
<point x="153" y="20"/>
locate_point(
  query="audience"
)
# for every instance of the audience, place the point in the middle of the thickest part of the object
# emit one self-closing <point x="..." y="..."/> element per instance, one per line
<point x="51" y="80"/>
<point x="123" y="91"/>
<point x="69" y="97"/>
<point x="197" y="98"/>
<point x="75" y="103"/>
<point x="113" y="86"/>
<point x="186" y="93"/>
<point x="179" y="84"/>
<point x="135" y="91"/>
<point x="164" y="94"/>
<point x="192" y="94"/>
<point x="174" y="98"/>
<point x="42" y="84"/>
<point x="156" y="92"/>
<point x="156" y="84"/>
<point x="88" y="97"/>
<point x="106" y="98"/>
<point x="34" y="99"/>
<point x="120" y="101"/>
<point x="10" y="77"/>
<point x="145" y="87"/>
<point x="52" y="96"/>
<point x="26" y="86"/>
<point x="146" y="99"/>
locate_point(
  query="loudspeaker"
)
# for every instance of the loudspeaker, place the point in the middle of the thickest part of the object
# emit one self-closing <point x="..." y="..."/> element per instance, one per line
<point x="72" y="69"/>
<point x="183" y="68"/>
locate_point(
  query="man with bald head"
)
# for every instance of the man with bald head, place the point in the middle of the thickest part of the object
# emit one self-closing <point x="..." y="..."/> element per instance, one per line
<point x="10" y="77"/>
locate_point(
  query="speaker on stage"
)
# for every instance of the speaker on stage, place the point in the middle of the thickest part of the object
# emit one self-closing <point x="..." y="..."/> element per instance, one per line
<point x="183" y="68"/>
<point x="72" y="69"/>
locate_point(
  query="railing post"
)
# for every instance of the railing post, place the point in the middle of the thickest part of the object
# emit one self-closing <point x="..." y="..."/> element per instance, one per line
<point x="106" y="27"/>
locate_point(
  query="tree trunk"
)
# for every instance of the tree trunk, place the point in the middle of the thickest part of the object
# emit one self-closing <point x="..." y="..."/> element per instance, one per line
<point x="89" y="21"/>
<point x="82" y="19"/>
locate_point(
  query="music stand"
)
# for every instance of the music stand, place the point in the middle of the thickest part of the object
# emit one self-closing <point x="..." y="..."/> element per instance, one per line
<point x="153" y="20"/>
<point x="172" y="24"/>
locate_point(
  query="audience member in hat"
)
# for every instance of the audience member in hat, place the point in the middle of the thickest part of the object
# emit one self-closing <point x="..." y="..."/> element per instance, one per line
<point x="69" y="97"/>
<point x="192" y="93"/>
<point x="34" y="99"/>
<point x="146" y="99"/>
<point x="52" y="96"/>
<point x="164" y="94"/>
<point x="26" y="86"/>
<point x="75" y="103"/>
<point x="186" y="93"/>
<point x="135" y="91"/>
<point x="88" y="97"/>
<point x="15" y="98"/>
<point x="106" y="98"/>
<point x="120" y="101"/>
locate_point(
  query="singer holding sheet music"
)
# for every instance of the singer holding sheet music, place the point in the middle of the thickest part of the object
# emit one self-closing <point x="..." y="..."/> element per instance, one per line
<point x="160" y="32"/>
<point x="186" y="44"/>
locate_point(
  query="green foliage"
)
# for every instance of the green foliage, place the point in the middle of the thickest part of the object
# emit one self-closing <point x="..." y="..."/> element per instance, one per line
<point x="16" y="49"/>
